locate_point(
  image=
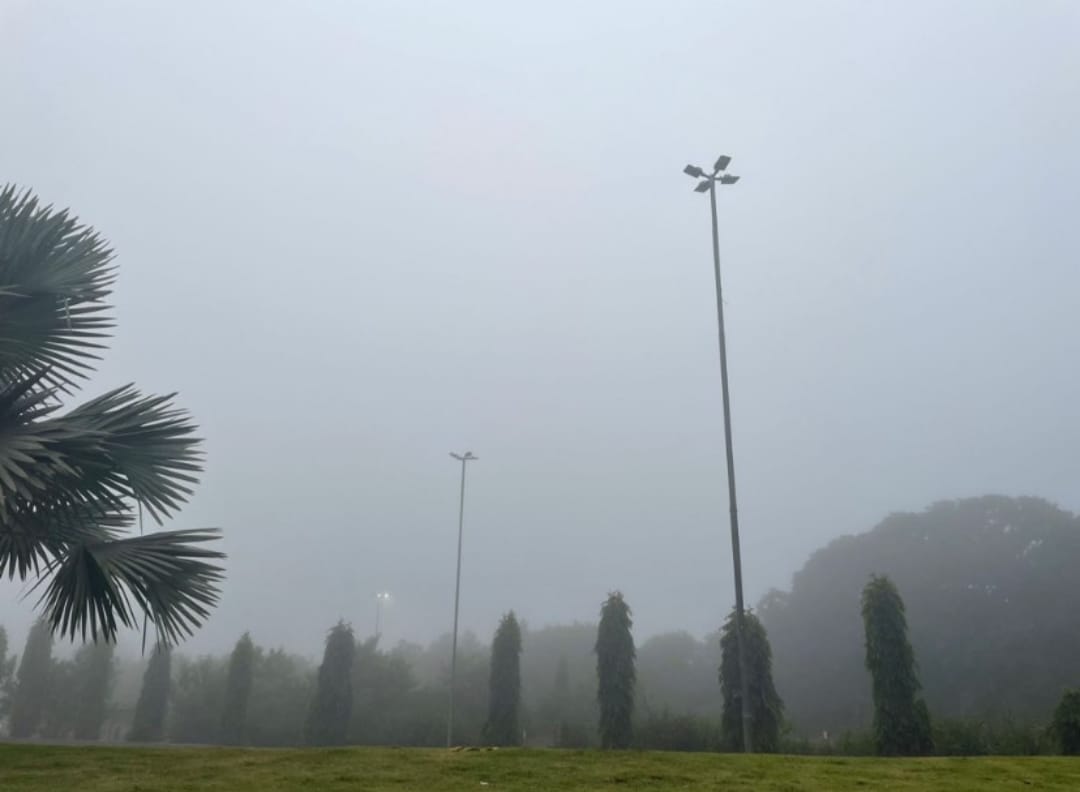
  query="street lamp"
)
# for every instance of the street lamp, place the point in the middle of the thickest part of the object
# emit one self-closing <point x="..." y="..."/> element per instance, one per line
<point x="464" y="459"/>
<point x="380" y="598"/>
<point x="708" y="184"/>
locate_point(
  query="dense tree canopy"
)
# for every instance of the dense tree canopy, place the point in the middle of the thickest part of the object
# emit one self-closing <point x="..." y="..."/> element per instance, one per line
<point x="383" y="687"/>
<point x="994" y="610"/>
<point x="676" y="672"/>
<point x="198" y="693"/>
<point x="281" y="691"/>
<point x="558" y="680"/>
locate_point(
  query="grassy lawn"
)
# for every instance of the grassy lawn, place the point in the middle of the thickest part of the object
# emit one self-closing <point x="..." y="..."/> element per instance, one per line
<point x="93" y="769"/>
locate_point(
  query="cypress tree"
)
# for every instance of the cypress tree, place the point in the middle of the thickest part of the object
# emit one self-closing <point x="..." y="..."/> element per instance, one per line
<point x="149" y="722"/>
<point x="615" y="673"/>
<point x="32" y="682"/>
<point x="92" y="679"/>
<point x="331" y="708"/>
<point x="766" y="708"/>
<point x="901" y="720"/>
<point x="7" y="674"/>
<point x="238" y="692"/>
<point x="503" y="725"/>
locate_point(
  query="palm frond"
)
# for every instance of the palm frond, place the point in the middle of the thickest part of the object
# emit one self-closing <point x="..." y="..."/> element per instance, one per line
<point x="150" y="443"/>
<point x="32" y="537"/>
<point x="68" y="481"/>
<point x="56" y="275"/>
<point x="119" y="447"/>
<point x="97" y="587"/>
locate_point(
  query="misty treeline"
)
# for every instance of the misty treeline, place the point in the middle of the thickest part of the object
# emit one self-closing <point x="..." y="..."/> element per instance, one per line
<point x="952" y="631"/>
<point x="993" y="611"/>
<point x="360" y="693"/>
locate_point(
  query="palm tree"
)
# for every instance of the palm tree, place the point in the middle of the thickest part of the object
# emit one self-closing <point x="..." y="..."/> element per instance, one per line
<point x="70" y="481"/>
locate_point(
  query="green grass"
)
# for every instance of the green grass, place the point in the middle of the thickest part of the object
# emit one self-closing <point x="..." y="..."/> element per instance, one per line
<point x="26" y="768"/>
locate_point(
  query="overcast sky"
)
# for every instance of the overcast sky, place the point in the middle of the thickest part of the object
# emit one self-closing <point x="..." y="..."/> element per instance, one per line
<point x="356" y="236"/>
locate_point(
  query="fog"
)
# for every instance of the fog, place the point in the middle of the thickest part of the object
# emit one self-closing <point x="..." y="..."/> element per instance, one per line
<point x="355" y="237"/>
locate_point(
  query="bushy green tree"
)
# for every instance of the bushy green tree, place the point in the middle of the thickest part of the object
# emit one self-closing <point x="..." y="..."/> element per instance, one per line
<point x="148" y="724"/>
<point x="554" y="715"/>
<point x="566" y="713"/>
<point x="78" y="691"/>
<point x="615" y="673"/>
<point x="418" y="715"/>
<point x="198" y="693"/>
<point x="559" y="702"/>
<point x="57" y="715"/>
<point x="71" y="480"/>
<point x="382" y="684"/>
<point x="281" y="691"/>
<point x="668" y="732"/>
<point x="901" y="719"/>
<point x="32" y="682"/>
<point x="676" y="672"/>
<point x="1066" y="723"/>
<point x="92" y="676"/>
<point x="766" y="708"/>
<point x="238" y="692"/>
<point x="503" y="725"/>
<point x="331" y="707"/>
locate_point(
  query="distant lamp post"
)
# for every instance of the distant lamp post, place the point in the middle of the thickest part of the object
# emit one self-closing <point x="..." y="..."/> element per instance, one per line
<point x="464" y="459"/>
<point x="380" y="598"/>
<point x="707" y="183"/>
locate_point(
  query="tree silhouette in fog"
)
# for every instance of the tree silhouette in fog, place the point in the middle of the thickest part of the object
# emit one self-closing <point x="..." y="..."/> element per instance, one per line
<point x="615" y="673"/>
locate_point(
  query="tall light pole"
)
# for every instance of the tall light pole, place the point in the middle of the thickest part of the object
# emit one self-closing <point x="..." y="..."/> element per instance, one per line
<point x="380" y="598"/>
<point x="464" y="459"/>
<point x="707" y="183"/>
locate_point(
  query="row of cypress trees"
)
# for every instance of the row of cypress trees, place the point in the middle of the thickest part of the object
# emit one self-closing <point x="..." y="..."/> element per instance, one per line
<point x="331" y="707"/>
<point x="901" y="724"/>
<point x="616" y="678"/>
<point x="55" y="698"/>
<point x="148" y="724"/>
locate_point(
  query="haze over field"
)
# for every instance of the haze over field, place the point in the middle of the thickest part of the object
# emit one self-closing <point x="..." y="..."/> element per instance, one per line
<point x="356" y="237"/>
